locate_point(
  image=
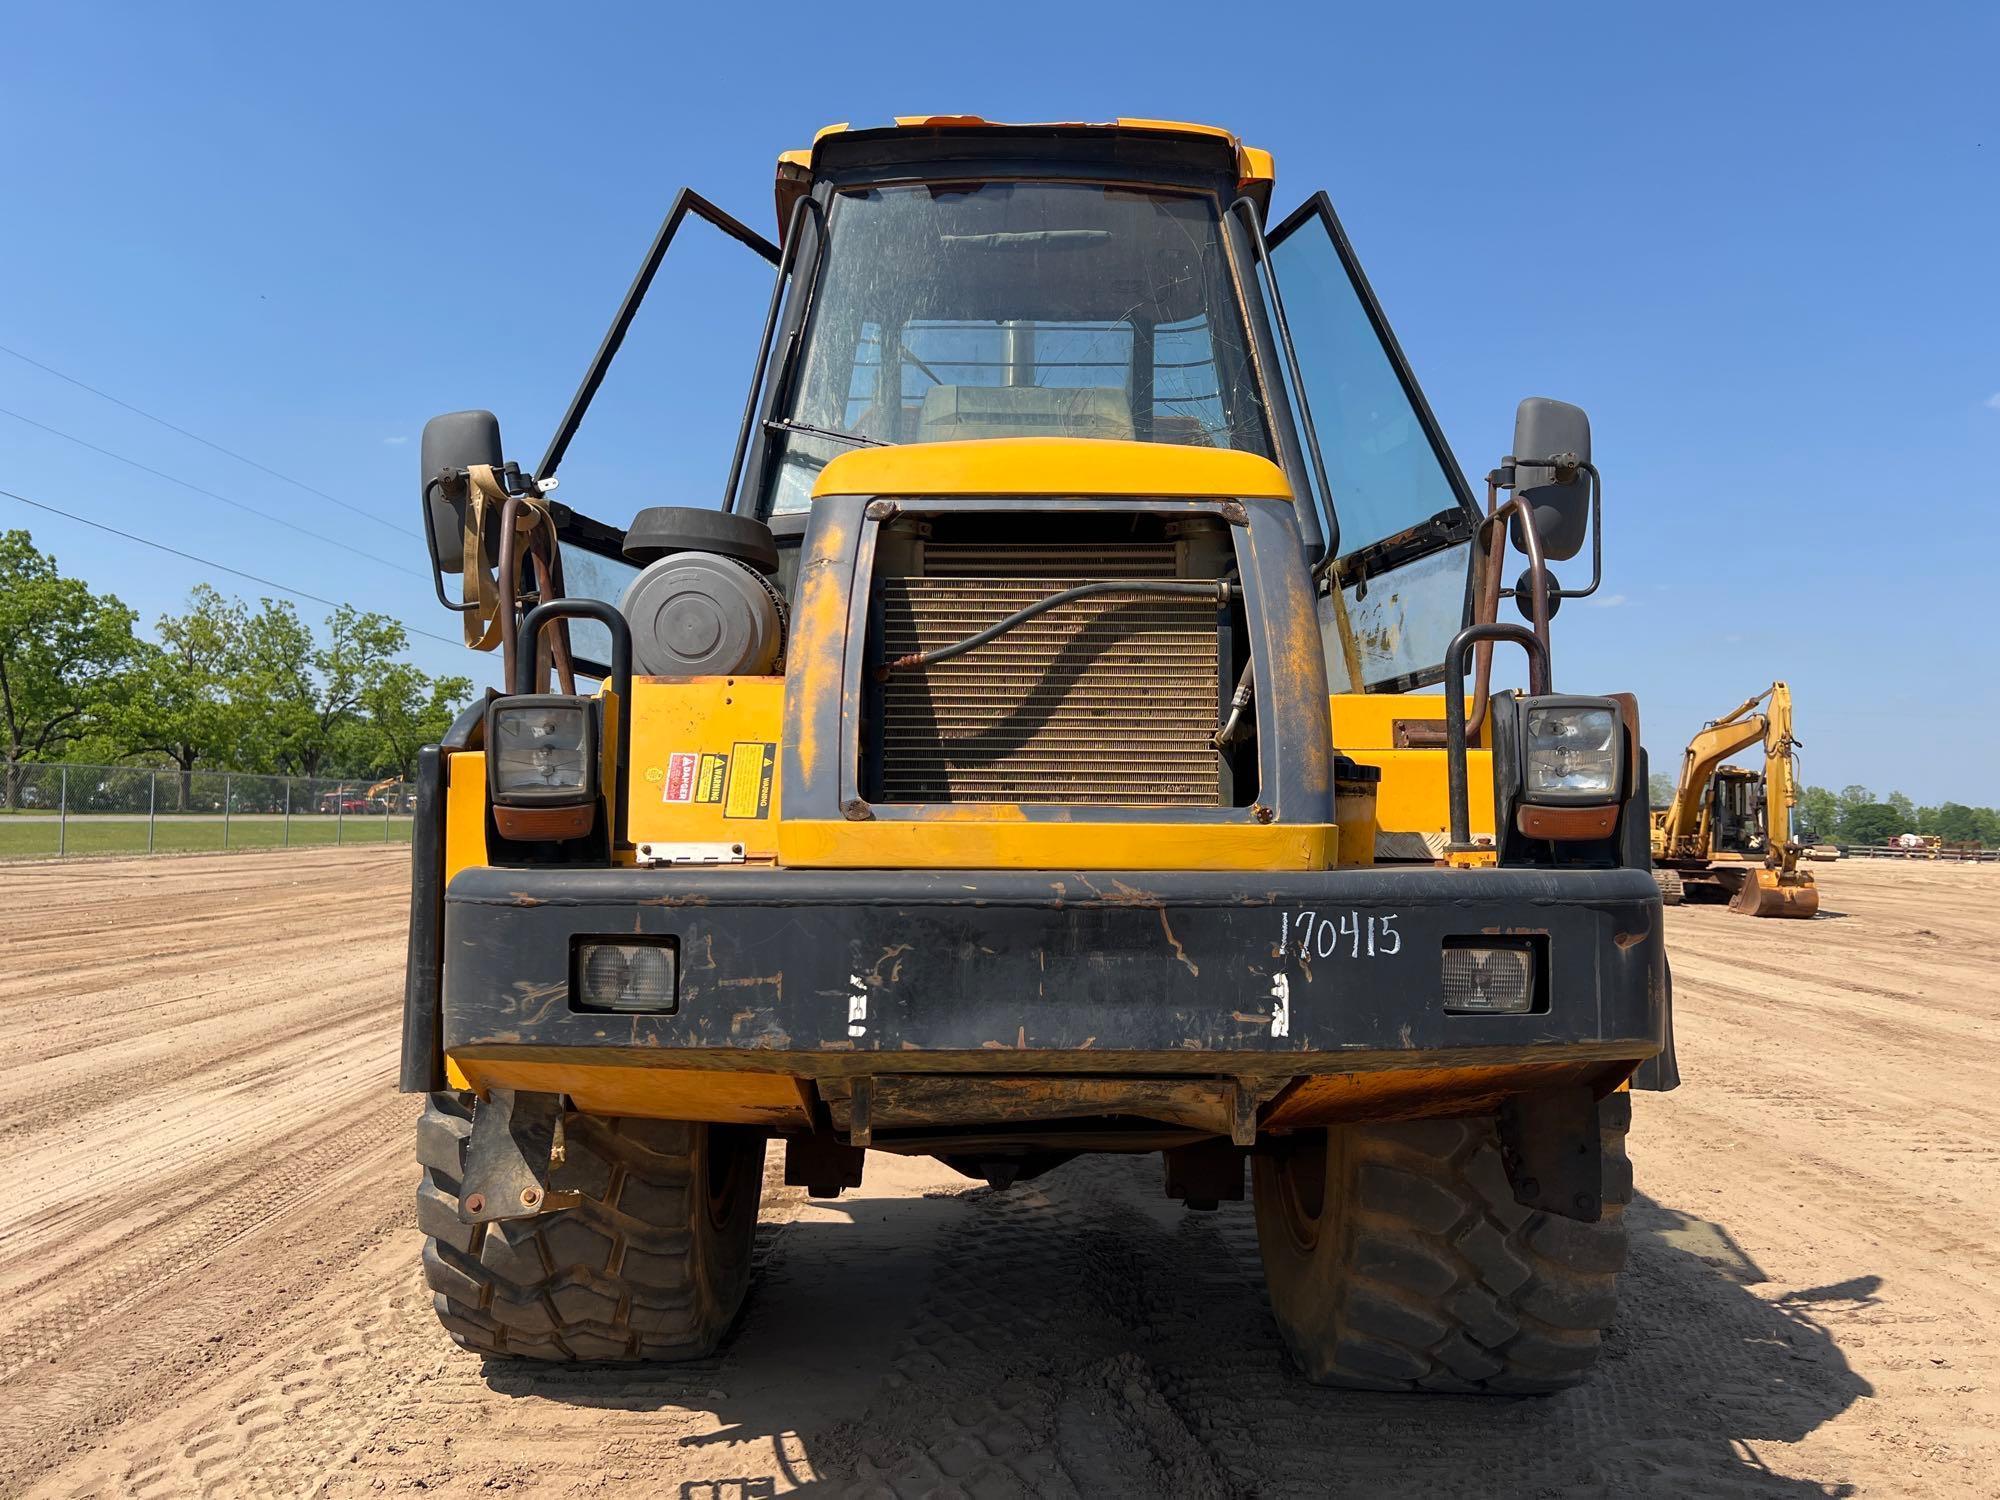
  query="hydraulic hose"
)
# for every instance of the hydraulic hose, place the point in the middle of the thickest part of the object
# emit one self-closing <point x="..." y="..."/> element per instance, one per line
<point x="1220" y="590"/>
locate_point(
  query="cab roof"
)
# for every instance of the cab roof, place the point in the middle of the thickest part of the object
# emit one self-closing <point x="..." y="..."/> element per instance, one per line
<point x="1252" y="168"/>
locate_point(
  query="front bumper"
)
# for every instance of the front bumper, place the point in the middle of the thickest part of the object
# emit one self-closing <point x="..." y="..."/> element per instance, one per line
<point x="840" y="973"/>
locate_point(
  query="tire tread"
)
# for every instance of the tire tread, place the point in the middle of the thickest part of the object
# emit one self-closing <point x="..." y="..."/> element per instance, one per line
<point x="627" y="1274"/>
<point x="1446" y="1283"/>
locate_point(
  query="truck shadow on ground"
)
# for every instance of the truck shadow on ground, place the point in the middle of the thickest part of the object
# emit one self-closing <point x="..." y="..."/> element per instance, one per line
<point x="1080" y="1335"/>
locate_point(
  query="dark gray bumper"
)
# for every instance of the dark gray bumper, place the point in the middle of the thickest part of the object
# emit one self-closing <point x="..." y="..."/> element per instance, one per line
<point x="826" y="972"/>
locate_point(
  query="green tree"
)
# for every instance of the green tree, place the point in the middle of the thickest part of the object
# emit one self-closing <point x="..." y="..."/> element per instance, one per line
<point x="62" y="652"/>
<point x="305" y="694"/>
<point x="1905" y="809"/>
<point x="1871" y="823"/>
<point x="1958" y="824"/>
<point x="408" y="709"/>
<point x="1818" y="815"/>
<point x="1659" y="789"/>
<point x="186" y="705"/>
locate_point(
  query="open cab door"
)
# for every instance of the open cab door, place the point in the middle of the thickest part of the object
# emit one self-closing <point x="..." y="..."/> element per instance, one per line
<point x="1400" y="514"/>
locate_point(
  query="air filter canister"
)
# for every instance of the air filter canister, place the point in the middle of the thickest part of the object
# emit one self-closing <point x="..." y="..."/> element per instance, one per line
<point x="694" y="614"/>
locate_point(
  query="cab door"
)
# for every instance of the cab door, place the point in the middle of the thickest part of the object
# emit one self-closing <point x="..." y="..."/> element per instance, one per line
<point x="1403" y="511"/>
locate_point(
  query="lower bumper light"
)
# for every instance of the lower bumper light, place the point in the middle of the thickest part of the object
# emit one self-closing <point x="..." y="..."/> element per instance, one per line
<point x="1489" y="979"/>
<point x="632" y="977"/>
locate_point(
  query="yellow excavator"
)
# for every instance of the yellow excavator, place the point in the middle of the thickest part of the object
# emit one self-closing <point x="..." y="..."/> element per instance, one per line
<point x="1727" y="835"/>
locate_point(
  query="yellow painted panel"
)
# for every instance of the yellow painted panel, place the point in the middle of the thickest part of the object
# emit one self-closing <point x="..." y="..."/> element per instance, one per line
<point x="1052" y="466"/>
<point x="704" y="761"/>
<point x="959" y="843"/>
<point x="1122" y="122"/>
<point x="1368" y="720"/>
<point x="730" y="1098"/>
<point x="1254" y="164"/>
<point x="1412" y="797"/>
<point x="1173" y="127"/>
<point x="464" y="812"/>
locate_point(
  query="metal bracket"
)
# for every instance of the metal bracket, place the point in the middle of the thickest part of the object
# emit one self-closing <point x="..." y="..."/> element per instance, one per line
<point x="861" y="1112"/>
<point x="1553" y="1153"/>
<point x="1242" y="1113"/>
<point x="508" y="1159"/>
<point x="1206" y="1173"/>
<point x="822" y="1165"/>
<point x="690" y="854"/>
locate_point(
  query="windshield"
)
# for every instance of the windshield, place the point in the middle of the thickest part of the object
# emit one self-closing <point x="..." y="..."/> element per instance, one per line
<point x="1025" y="309"/>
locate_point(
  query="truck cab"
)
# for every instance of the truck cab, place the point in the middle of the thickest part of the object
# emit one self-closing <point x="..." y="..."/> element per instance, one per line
<point x="1070" y="729"/>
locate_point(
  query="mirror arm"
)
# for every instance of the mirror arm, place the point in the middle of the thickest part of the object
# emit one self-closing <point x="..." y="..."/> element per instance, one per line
<point x="1493" y="535"/>
<point x="436" y="482"/>
<point x="1486" y="605"/>
<point x="1567" y="466"/>
<point x="1596" y="535"/>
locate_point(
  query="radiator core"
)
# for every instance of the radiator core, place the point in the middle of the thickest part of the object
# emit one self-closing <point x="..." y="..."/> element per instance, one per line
<point x="1108" y="700"/>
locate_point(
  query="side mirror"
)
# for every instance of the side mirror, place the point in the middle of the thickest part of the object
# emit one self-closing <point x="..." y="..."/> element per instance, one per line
<point x="453" y="443"/>
<point x="1546" y="429"/>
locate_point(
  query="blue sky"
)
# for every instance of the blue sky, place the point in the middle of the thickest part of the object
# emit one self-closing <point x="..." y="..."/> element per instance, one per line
<point x="1757" y="244"/>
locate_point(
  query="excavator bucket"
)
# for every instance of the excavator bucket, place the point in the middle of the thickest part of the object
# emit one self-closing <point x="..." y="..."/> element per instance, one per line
<point x="1773" y="893"/>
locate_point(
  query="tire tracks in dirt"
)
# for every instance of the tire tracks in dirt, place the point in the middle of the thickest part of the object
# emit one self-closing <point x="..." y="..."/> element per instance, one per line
<point x="209" y="1283"/>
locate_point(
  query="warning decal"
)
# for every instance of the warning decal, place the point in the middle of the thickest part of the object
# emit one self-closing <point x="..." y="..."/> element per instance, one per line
<point x="708" y="781"/>
<point x="752" y="764"/>
<point x="678" y="785"/>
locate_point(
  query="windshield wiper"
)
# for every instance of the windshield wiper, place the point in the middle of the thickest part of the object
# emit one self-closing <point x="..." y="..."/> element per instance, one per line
<point x="832" y="434"/>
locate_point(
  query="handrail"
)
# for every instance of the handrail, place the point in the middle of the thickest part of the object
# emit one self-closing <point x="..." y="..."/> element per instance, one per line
<point x="1454" y="709"/>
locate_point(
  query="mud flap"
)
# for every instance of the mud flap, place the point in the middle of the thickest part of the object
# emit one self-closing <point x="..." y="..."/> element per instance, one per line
<point x="507" y="1161"/>
<point x="1662" y="1071"/>
<point x="1553" y="1152"/>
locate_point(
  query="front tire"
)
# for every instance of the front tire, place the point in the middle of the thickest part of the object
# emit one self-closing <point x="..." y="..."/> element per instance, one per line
<point x="1397" y="1259"/>
<point x="652" y="1264"/>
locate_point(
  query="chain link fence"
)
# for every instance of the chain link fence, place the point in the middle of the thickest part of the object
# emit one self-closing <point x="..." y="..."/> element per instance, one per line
<point x="53" y="811"/>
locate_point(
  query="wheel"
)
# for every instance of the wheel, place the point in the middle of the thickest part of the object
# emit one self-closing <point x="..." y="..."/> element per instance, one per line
<point x="651" y="1265"/>
<point x="1397" y="1259"/>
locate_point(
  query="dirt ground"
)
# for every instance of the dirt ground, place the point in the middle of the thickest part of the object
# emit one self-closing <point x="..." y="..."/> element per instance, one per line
<point x="209" y="1285"/>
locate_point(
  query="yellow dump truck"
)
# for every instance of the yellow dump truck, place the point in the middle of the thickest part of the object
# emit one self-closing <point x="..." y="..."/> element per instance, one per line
<point x="1070" y="730"/>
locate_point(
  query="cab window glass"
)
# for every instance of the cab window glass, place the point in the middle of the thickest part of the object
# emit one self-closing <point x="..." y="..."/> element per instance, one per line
<point x="952" y="312"/>
<point x="1386" y="470"/>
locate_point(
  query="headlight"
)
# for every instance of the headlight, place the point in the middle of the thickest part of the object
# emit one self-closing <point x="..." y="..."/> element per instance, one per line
<point x="541" y="751"/>
<point x="1489" y="980"/>
<point x="1571" y="750"/>
<point x="625" y="976"/>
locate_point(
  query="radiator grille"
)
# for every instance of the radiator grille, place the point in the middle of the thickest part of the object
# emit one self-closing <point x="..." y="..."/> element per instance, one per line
<point x="1067" y="562"/>
<point x="1106" y="700"/>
